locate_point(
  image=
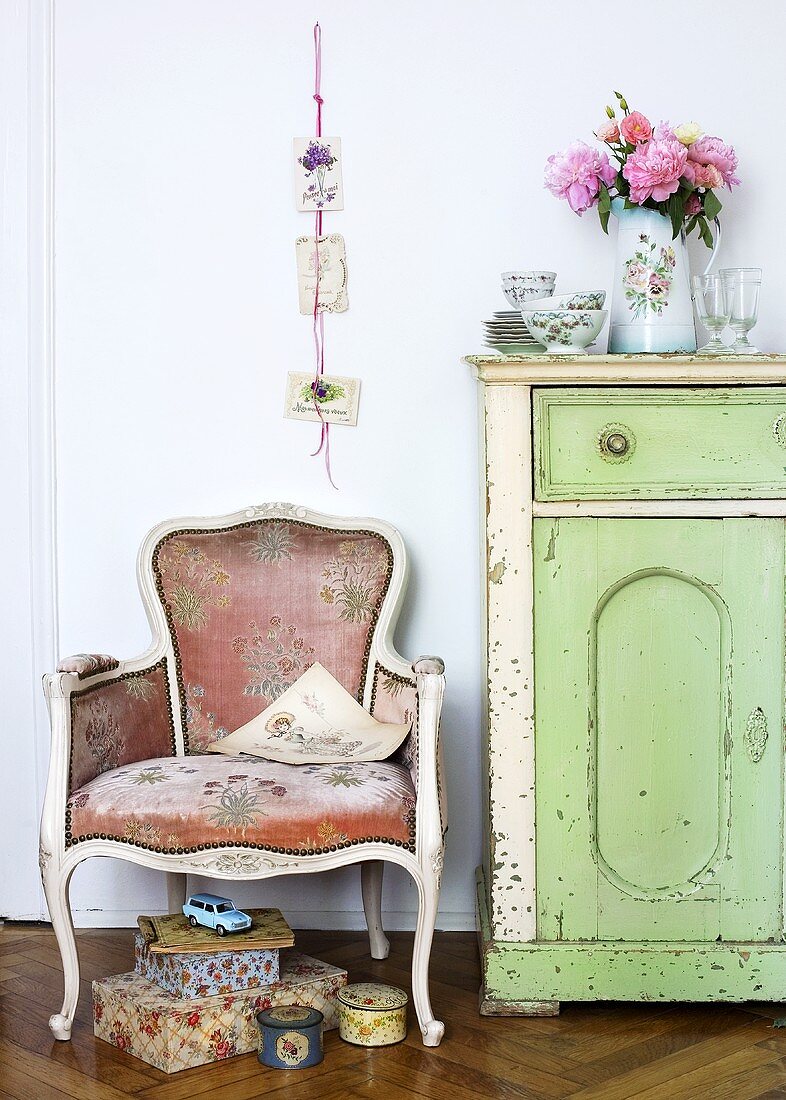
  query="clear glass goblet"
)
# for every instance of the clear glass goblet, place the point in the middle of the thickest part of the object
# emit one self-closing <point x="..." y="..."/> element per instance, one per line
<point x="741" y="289"/>
<point x="710" y="302"/>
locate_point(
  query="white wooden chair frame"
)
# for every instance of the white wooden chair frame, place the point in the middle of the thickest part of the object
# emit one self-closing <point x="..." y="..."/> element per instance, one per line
<point x="58" y="862"/>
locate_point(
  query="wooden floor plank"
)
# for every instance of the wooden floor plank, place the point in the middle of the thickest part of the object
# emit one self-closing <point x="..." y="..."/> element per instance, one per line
<point x="589" y="1052"/>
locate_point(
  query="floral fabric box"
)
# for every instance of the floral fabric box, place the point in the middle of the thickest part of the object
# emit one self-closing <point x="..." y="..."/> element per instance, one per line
<point x="174" y="1033"/>
<point x="203" y="975"/>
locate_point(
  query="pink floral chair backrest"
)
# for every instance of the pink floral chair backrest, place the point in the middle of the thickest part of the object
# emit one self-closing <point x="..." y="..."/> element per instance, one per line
<point x="250" y="607"/>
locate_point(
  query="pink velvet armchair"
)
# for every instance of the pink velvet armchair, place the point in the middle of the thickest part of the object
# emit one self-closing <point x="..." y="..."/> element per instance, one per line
<point x="239" y="606"/>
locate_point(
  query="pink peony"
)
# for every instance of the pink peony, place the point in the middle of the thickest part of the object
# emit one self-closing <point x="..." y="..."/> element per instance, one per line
<point x="653" y="170"/>
<point x="635" y="128"/>
<point x="608" y="131"/>
<point x="711" y="150"/>
<point x="664" y="132"/>
<point x="693" y="204"/>
<point x="576" y="175"/>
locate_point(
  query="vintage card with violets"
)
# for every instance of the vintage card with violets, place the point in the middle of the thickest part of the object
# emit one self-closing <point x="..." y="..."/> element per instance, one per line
<point x="332" y="273"/>
<point x="336" y="396"/>
<point x="315" y="721"/>
<point x="318" y="182"/>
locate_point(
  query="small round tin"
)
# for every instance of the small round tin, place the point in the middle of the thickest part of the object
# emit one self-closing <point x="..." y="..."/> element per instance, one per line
<point x="372" y="1015"/>
<point x="291" y="1037"/>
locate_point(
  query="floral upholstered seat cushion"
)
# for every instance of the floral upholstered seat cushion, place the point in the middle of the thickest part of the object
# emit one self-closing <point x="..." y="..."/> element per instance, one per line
<point x="182" y="803"/>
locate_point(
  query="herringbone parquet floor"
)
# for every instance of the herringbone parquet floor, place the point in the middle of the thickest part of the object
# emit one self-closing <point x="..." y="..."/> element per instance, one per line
<point x="591" y="1052"/>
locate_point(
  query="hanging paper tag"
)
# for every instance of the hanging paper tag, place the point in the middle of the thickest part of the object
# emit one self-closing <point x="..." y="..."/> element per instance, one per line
<point x="332" y="274"/>
<point x="336" y="396"/>
<point x="318" y="181"/>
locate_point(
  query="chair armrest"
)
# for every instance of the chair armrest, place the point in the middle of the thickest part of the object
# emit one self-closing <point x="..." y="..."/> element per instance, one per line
<point x="432" y="821"/>
<point x="88" y="664"/>
<point x="404" y="692"/>
<point x="104" y="719"/>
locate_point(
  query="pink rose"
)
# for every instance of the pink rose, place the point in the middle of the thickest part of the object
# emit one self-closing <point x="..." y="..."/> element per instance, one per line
<point x="711" y="150"/>
<point x="576" y="175"/>
<point x="693" y="204"/>
<point x="702" y="175"/>
<point x="635" y="128"/>
<point x="653" y="170"/>
<point x="608" y="131"/>
<point x="636" y="275"/>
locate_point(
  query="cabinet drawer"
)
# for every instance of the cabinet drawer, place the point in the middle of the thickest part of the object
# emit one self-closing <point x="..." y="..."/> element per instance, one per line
<point x="633" y="442"/>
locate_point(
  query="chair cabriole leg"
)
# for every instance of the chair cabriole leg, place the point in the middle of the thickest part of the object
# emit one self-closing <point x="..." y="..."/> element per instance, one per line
<point x="371" y="872"/>
<point x="56" y="881"/>
<point x="428" y="887"/>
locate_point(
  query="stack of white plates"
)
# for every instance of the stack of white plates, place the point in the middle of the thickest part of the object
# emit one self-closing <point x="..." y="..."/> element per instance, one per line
<point x="507" y="333"/>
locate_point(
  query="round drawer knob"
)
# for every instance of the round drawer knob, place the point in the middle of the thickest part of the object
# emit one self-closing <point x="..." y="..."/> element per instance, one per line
<point x="616" y="444"/>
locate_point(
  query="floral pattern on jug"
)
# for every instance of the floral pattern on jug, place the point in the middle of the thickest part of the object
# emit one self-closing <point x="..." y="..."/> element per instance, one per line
<point x="647" y="277"/>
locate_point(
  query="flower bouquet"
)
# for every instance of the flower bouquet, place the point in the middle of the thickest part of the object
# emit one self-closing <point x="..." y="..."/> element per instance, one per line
<point x="675" y="171"/>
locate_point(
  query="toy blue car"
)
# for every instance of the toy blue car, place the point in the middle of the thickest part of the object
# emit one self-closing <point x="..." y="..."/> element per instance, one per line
<point x="214" y="912"/>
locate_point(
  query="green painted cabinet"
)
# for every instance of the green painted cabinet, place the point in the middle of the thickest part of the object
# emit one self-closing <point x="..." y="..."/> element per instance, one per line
<point x="634" y="523"/>
<point x="659" y="705"/>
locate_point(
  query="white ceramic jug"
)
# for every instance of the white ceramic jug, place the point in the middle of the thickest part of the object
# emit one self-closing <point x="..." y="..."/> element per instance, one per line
<point x="651" y="305"/>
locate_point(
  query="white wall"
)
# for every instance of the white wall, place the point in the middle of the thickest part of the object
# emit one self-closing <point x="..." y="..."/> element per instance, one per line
<point x="176" y="308"/>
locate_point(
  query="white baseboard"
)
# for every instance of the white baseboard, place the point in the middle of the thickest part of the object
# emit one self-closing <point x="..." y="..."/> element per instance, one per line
<point x="337" y="921"/>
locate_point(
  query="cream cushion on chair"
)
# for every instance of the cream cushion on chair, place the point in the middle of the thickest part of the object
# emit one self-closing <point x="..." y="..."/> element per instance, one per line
<point x="315" y="721"/>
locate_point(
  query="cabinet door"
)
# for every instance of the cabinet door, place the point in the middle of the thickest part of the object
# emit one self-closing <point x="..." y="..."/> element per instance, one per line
<point x="659" y="717"/>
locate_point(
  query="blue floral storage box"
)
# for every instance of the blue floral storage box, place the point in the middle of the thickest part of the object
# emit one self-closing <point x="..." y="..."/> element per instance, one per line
<point x="199" y="974"/>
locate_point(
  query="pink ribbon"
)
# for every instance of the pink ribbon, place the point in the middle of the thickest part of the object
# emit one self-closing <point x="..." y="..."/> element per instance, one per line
<point x="319" y="317"/>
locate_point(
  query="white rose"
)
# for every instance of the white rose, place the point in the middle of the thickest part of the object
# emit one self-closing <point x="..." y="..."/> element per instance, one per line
<point x="688" y="132"/>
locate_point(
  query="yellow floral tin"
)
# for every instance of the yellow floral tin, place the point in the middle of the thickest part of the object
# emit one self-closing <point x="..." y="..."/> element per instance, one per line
<point x="372" y="1015"/>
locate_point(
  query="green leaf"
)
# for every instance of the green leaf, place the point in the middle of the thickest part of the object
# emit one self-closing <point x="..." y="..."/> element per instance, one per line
<point x="691" y="224"/>
<point x="704" y="231"/>
<point x="604" y="199"/>
<point x="676" y="208"/>
<point x="712" y="205"/>
<point x="604" y="216"/>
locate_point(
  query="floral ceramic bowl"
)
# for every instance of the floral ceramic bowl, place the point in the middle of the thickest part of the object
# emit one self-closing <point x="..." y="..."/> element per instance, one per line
<point x="538" y="278"/>
<point x="519" y="295"/>
<point x="579" y="299"/>
<point x="526" y="286"/>
<point x="565" y="331"/>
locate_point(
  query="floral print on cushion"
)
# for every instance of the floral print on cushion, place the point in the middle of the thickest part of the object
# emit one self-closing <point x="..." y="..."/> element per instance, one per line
<point x="183" y="802"/>
<point x="120" y="721"/>
<point x="250" y="607"/>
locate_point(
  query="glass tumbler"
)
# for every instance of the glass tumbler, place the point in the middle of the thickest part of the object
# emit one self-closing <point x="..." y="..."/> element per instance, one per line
<point x="710" y="302"/>
<point x="741" y="289"/>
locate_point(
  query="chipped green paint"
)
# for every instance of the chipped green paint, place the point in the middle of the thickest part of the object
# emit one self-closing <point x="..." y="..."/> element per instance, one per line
<point x="681" y="442"/>
<point x="655" y="636"/>
<point x="531" y="979"/>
